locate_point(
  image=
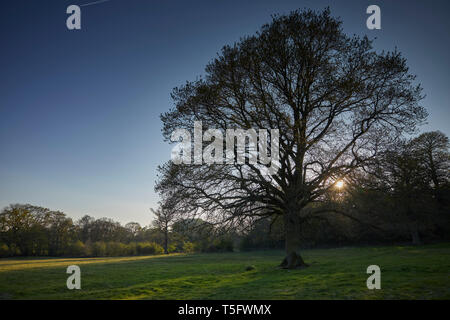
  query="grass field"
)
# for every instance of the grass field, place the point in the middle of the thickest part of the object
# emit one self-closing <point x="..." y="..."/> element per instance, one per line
<point x="406" y="273"/>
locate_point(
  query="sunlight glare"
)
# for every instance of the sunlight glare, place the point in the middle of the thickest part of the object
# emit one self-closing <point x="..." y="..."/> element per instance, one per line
<point x="339" y="184"/>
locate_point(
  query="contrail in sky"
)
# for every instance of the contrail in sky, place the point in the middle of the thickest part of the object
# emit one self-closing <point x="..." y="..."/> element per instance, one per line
<point x="92" y="3"/>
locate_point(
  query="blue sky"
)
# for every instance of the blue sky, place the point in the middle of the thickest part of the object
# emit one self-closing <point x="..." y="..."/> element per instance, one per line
<point x="79" y="110"/>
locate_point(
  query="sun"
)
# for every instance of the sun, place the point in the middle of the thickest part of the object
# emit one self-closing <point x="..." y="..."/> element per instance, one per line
<point x="339" y="184"/>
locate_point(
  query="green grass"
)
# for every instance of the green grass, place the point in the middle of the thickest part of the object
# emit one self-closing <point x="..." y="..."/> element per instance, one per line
<point x="406" y="273"/>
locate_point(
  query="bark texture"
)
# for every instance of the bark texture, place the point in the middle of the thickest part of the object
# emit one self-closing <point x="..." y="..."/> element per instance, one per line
<point x="293" y="259"/>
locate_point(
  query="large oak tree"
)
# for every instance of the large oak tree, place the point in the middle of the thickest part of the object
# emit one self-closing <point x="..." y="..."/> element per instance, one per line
<point x="335" y="100"/>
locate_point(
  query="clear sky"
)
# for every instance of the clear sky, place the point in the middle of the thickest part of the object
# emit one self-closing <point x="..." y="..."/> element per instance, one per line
<point x="79" y="110"/>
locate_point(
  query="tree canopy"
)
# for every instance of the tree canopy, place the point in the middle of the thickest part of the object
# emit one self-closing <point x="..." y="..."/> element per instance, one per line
<point x="336" y="102"/>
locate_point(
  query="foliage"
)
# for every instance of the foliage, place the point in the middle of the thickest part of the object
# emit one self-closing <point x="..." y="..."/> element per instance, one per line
<point x="99" y="249"/>
<point x="145" y="248"/>
<point x="77" y="249"/>
<point x="4" y="250"/>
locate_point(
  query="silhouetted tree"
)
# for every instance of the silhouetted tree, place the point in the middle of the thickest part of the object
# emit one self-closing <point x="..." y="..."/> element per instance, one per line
<point x="432" y="149"/>
<point x="335" y="101"/>
<point x="165" y="216"/>
<point x="411" y="173"/>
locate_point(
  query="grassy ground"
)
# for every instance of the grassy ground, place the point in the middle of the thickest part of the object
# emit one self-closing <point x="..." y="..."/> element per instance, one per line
<point x="406" y="273"/>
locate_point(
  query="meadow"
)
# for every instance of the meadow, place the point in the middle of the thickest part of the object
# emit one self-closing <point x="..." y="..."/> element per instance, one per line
<point x="407" y="272"/>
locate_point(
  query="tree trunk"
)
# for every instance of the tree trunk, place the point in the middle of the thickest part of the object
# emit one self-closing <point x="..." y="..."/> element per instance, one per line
<point x="293" y="260"/>
<point x="415" y="236"/>
<point x="166" y="241"/>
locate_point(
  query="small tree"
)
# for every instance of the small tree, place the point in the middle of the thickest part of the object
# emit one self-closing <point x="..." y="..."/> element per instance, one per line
<point x="165" y="216"/>
<point x="133" y="230"/>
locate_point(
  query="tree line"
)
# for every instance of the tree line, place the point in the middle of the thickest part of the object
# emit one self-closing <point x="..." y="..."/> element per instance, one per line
<point x="402" y="196"/>
<point x="27" y="230"/>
